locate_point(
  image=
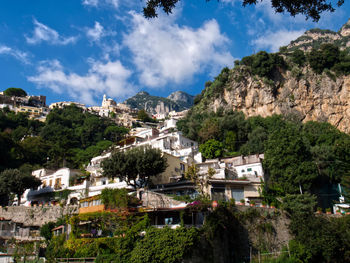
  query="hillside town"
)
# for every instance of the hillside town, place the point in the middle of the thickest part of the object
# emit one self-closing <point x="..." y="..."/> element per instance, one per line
<point x="165" y="133"/>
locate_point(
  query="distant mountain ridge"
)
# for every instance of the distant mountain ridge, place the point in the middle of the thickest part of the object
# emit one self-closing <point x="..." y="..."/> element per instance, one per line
<point x="176" y="101"/>
<point x="313" y="38"/>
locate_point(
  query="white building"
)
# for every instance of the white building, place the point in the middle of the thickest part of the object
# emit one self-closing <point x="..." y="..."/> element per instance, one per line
<point x="52" y="181"/>
<point x="173" y="143"/>
<point x="237" y="177"/>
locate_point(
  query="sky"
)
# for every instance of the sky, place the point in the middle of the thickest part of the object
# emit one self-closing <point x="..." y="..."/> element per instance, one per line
<point x="78" y="50"/>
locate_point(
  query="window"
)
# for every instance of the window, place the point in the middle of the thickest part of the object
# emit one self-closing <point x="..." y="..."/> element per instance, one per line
<point x="96" y="202"/>
<point x="58" y="183"/>
<point x="50" y="183"/>
<point x="237" y="193"/>
<point x="182" y="167"/>
<point x="243" y="171"/>
<point x="218" y="193"/>
<point x="249" y="169"/>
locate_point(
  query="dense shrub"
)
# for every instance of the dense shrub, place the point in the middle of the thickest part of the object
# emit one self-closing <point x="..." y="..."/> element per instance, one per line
<point x="324" y="58"/>
<point x="165" y="245"/>
<point x="118" y="198"/>
<point x="264" y="64"/>
<point x="298" y="57"/>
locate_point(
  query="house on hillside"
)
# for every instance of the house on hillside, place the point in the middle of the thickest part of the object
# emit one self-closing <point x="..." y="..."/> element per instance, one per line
<point x="55" y="181"/>
<point x="236" y="177"/>
<point x="10" y="229"/>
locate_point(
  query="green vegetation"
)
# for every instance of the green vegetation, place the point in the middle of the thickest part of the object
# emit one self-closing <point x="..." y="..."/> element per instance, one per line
<point x="317" y="238"/>
<point x="70" y="132"/>
<point x="18" y="92"/>
<point x="311" y="155"/>
<point x="118" y="198"/>
<point x="16" y="182"/>
<point x="211" y="149"/>
<point x="143" y="116"/>
<point x="69" y="137"/>
<point x="298" y="57"/>
<point x="126" y="245"/>
<point x="264" y="64"/>
<point x="135" y="166"/>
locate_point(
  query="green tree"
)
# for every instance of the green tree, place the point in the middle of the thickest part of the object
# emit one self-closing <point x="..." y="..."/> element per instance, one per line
<point x="13" y="181"/>
<point x="211" y="149"/>
<point x="230" y="141"/>
<point x="323" y="58"/>
<point x="46" y="231"/>
<point x="143" y="116"/>
<point x="309" y="8"/>
<point x="288" y="161"/>
<point x="34" y="150"/>
<point x="18" y="92"/>
<point x="115" y="133"/>
<point x="135" y="166"/>
<point x="201" y="181"/>
<point x="298" y="57"/>
<point x="209" y="130"/>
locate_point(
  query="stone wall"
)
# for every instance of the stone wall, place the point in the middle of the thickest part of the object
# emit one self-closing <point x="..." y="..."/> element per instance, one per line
<point x="36" y="216"/>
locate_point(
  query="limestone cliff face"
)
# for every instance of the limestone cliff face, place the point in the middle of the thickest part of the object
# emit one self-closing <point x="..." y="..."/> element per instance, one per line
<point x="307" y="96"/>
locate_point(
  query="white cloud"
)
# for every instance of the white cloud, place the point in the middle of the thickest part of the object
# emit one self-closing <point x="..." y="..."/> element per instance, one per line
<point x="164" y="52"/>
<point x="96" y="3"/>
<point x="110" y="77"/>
<point x="17" y="54"/>
<point x="274" y="40"/>
<point x="44" y="33"/>
<point x="97" y="32"/>
<point x="90" y="2"/>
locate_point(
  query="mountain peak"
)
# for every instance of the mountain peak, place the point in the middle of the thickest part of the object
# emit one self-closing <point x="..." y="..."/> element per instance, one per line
<point x="143" y="93"/>
<point x="177" y="101"/>
<point x="314" y="37"/>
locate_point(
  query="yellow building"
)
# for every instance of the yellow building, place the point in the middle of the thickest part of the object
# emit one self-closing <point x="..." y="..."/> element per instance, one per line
<point x="174" y="172"/>
<point x="34" y="112"/>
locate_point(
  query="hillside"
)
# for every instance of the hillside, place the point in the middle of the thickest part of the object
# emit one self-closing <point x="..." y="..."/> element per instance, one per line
<point x="313" y="38"/>
<point x="176" y="101"/>
<point x="307" y="86"/>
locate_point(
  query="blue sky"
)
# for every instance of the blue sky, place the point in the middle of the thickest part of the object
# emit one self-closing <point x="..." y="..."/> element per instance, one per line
<point x="79" y="50"/>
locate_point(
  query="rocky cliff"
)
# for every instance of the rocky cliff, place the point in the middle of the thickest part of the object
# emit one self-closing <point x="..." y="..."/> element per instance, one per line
<point x="310" y="97"/>
<point x="282" y="83"/>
